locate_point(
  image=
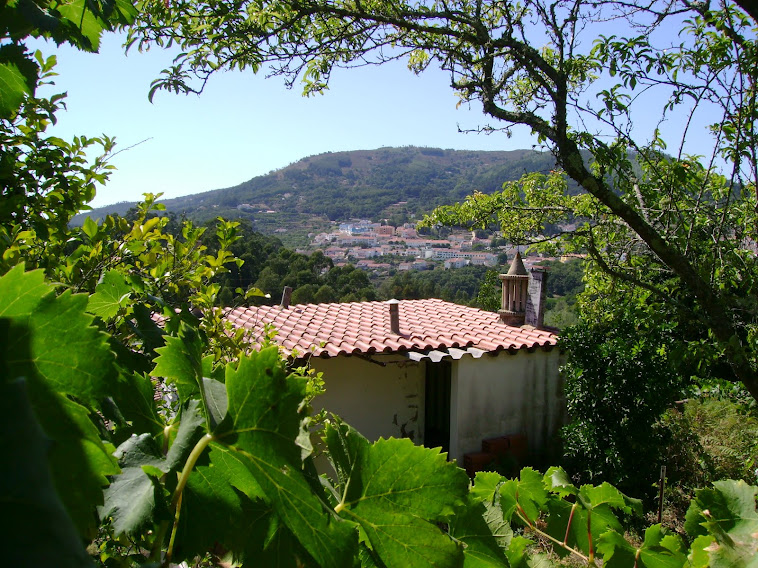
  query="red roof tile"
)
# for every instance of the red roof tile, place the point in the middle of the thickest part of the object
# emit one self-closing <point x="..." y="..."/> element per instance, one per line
<point x="329" y="330"/>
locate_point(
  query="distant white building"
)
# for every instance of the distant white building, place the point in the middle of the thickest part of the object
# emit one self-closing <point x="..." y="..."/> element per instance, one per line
<point x="456" y="263"/>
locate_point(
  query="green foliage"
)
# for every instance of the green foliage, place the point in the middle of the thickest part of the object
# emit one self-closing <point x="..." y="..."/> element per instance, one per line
<point x="381" y="184"/>
<point x="711" y="439"/>
<point x="461" y="285"/>
<point x="313" y="278"/>
<point x="620" y="379"/>
<point x="28" y="493"/>
<point x="489" y="297"/>
<point x="233" y="470"/>
<point x="724" y="520"/>
<point x="66" y="364"/>
<point x="395" y="489"/>
<point x="44" y="180"/>
<point x="77" y="23"/>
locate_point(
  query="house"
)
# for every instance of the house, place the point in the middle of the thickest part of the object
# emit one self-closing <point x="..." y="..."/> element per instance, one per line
<point x="438" y="373"/>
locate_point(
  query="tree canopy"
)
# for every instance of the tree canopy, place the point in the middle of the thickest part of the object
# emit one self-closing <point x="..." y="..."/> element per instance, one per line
<point x="617" y="90"/>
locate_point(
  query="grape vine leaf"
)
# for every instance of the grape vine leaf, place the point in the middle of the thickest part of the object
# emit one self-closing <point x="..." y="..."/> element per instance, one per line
<point x="658" y="550"/>
<point x="27" y="492"/>
<point x="527" y="495"/>
<point x="180" y="362"/>
<point x="367" y="558"/>
<point x="134" y="395"/>
<point x="111" y="294"/>
<point x="80" y="14"/>
<point x="21" y="292"/>
<point x="484" y="533"/>
<point x="50" y="341"/>
<point x="397" y="491"/>
<point x="517" y="552"/>
<point x="581" y="524"/>
<point x="486" y="484"/>
<point x="558" y="481"/>
<point x="280" y="548"/>
<point x="264" y="407"/>
<point x="70" y="355"/>
<point x="727" y="513"/>
<point x="222" y="503"/>
<point x="135" y="497"/>
<point x="215" y="401"/>
<point x="18" y="78"/>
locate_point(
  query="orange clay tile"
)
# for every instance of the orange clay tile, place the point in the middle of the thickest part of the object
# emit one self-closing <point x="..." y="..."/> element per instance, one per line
<point x="329" y="330"/>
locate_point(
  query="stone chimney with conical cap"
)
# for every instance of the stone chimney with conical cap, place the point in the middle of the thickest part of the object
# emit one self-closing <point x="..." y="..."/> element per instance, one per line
<point x="515" y="293"/>
<point x="524" y="295"/>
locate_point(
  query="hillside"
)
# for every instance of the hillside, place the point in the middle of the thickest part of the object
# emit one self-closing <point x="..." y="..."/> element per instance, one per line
<point x="382" y="183"/>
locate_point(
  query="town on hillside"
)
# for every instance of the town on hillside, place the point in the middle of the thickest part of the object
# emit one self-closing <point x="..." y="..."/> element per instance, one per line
<point x="379" y="248"/>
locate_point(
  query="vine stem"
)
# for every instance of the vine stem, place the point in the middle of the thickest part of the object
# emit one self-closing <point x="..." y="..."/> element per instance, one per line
<point x="176" y="499"/>
<point x="202" y="443"/>
<point x="170" y="550"/>
<point x="568" y="526"/>
<point x="526" y="521"/>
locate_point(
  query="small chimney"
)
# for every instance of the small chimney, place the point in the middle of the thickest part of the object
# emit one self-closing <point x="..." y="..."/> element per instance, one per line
<point x="394" y="316"/>
<point x="515" y="293"/>
<point x="286" y="295"/>
<point x="537" y="294"/>
<point x="523" y="295"/>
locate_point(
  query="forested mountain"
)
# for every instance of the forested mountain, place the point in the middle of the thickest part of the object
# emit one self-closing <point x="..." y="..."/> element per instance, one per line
<point x="382" y="183"/>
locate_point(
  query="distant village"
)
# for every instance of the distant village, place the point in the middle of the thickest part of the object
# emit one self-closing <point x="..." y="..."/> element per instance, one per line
<point x="377" y="248"/>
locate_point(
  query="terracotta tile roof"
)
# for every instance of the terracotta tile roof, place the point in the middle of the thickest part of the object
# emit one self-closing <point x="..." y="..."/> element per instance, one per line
<point x="329" y="330"/>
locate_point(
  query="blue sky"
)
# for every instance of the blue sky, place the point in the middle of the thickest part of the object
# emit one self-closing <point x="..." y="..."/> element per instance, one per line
<point x="245" y="125"/>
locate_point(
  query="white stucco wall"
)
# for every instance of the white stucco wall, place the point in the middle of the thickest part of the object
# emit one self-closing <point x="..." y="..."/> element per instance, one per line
<point x="505" y="394"/>
<point x="490" y="396"/>
<point x="377" y="401"/>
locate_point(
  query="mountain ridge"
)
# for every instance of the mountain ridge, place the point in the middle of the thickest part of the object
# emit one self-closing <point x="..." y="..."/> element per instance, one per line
<point x="387" y="182"/>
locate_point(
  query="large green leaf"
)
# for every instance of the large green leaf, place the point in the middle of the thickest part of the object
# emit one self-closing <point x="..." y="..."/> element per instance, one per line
<point x="49" y="340"/>
<point x="279" y="549"/>
<point x="526" y="496"/>
<point x="559" y="482"/>
<point x="486" y="484"/>
<point x="216" y="401"/>
<point x="136" y="498"/>
<point x="518" y="552"/>
<point x="728" y="514"/>
<point x="111" y="294"/>
<point x="397" y="492"/>
<point x="79" y="16"/>
<point x="18" y="79"/>
<point x="581" y="524"/>
<point x="134" y="395"/>
<point x="180" y="362"/>
<point x="263" y="424"/>
<point x="66" y="352"/>
<point x="21" y="292"/>
<point x="484" y="533"/>
<point x="658" y="550"/>
<point x="33" y="521"/>
<point x="222" y="503"/>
